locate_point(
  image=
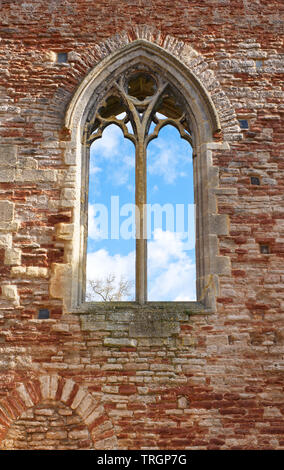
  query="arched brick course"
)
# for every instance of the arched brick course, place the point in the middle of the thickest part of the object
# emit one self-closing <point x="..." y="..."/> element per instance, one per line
<point x="53" y="388"/>
<point x="83" y="62"/>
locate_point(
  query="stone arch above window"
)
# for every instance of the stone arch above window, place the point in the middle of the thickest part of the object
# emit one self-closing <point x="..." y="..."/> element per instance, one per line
<point x="144" y="52"/>
<point x="201" y="122"/>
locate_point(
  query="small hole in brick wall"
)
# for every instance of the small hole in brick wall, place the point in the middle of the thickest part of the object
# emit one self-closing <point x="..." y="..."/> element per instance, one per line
<point x="243" y="123"/>
<point x="264" y="249"/>
<point x="43" y="314"/>
<point x="255" y="180"/>
<point x="259" y="64"/>
<point x="62" y="57"/>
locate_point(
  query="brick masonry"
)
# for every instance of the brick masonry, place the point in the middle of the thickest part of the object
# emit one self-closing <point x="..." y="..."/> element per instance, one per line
<point x="109" y="379"/>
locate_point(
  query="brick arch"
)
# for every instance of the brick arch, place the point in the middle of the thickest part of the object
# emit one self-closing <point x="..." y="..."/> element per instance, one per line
<point x="53" y="388"/>
<point x="201" y="70"/>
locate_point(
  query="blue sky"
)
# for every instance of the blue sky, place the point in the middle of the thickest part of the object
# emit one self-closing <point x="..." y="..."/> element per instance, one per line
<point x="111" y="240"/>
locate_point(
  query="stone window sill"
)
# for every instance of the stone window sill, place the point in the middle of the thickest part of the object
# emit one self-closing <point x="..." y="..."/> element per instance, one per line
<point x="126" y="324"/>
<point x="187" y="308"/>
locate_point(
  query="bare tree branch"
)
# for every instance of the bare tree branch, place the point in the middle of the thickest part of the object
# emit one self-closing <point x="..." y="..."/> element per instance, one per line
<point x="109" y="289"/>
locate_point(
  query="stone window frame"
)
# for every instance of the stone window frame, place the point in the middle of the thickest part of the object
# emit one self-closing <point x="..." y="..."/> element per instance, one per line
<point x="205" y="125"/>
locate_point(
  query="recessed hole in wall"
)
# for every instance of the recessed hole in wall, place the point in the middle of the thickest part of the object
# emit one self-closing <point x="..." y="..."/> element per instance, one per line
<point x="43" y="314"/>
<point x="259" y="64"/>
<point x="243" y="123"/>
<point x="62" y="57"/>
<point x="255" y="180"/>
<point x="264" y="249"/>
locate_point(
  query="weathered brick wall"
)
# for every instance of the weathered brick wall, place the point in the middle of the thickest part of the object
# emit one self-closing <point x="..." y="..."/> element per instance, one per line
<point x="99" y="379"/>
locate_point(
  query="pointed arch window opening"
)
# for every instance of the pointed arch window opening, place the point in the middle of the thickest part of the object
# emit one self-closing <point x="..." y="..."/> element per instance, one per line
<point x="140" y="103"/>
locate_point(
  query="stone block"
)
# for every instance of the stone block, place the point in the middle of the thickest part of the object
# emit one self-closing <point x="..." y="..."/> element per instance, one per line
<point x="10" y="292"/>
<point x="35" y="176"/>
<point x="45" y="386"/>
<point x="61" y="280"/>
<point x="109" y="443"/>
<point x="219" y="224"/>
<point x="6" y="240"/>
<point x="36" y="271"/>
<point x="68" y="197"/>
<point x="25" y="396"/>
<point x="28" y="163"/>
<point x="69" y="193"/>
<point x="53" y="385"/>
<point x="154" y="324"/>
<point x="7" y="175"/>
<point x="13" y="256"/>
<point x="8" y="156"/>
<point x="78" y="434"/>
<point x="120" y="342"/>
<point x="6" y="213"/>
<point x="70" y="156"/>
<point x="67" y="389"/>
<point x="56" y="435"/>
<point x="222" y="265"/>
<point x="18" y="271"/>
<point x="64" y="231"/>
<point x="121" y="317"/>
<point x="49" y="56"/>
<point x="78" y="398"/>
<point x="86" y="406"/>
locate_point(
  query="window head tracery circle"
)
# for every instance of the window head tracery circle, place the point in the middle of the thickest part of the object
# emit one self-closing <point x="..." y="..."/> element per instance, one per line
<point x="140" y="102"/>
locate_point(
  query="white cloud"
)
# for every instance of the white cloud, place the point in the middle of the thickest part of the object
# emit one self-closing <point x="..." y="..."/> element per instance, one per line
<point x="115" y="156"/>
<point x="171" y="269"/>
<point x="101" y="263"/>
<point x="165" y="246"/>
<point x="121" y="172"/>
<point x="167" y="157"/>
<point x="94" y="169"/>
<point x="96" y="231"/>
<point x="107" y="146"/>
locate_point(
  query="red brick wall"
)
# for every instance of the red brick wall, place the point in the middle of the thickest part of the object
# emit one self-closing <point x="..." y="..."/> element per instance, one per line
<point x="218" y="381"/>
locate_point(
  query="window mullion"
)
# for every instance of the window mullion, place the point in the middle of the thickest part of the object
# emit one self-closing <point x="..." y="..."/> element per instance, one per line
<point x="141" y="220"/>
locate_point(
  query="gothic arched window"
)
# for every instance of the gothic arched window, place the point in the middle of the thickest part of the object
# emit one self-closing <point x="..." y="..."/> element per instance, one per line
<point x="141" y="103"/>
<point x="142" y="89"/>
